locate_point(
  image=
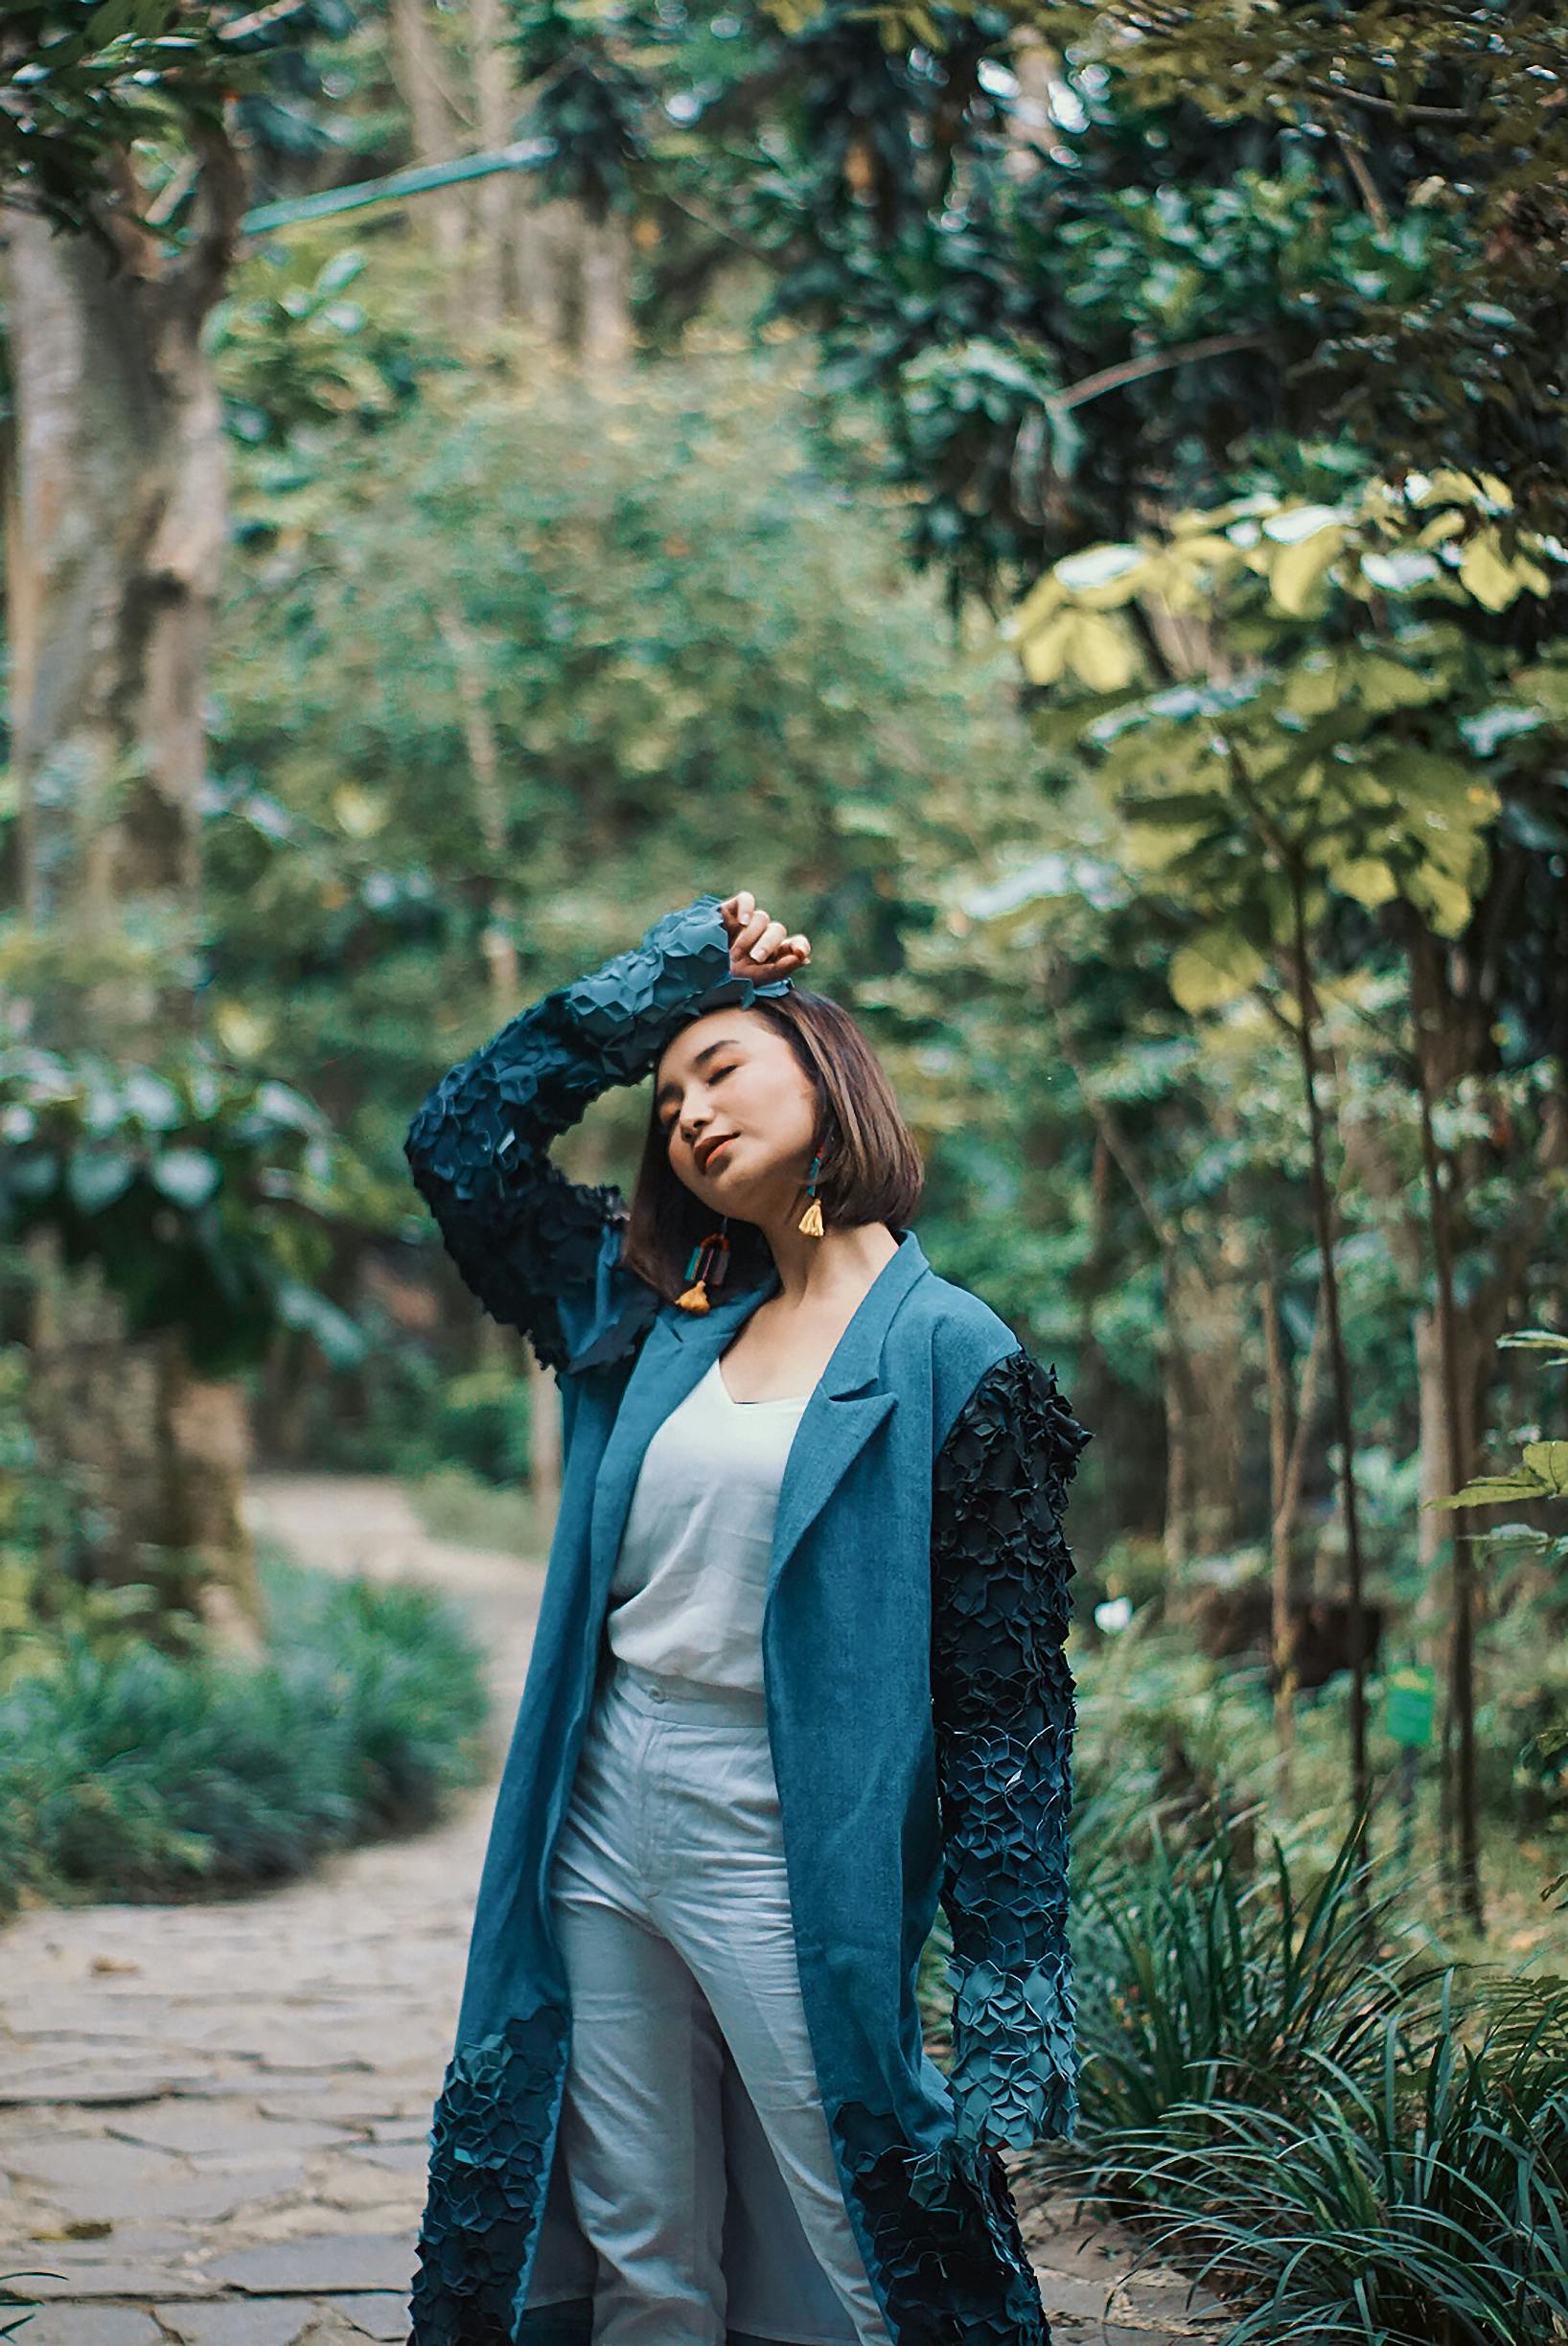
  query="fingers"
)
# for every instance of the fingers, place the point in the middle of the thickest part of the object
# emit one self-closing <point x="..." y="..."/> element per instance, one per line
<point x="757" y="941"/>
<point x="769" y="941"/>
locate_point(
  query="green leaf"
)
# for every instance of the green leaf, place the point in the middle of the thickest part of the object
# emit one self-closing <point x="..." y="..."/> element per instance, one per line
<point x="1100" y="651"/>
<point x="1491" y="1490"/>
<point x="1485" y="573"/>
<point x="95" y="1178"/>
<point x="1043" y="652"/>
<point x="186" y="1175"/>
<point x="1545" y="686"/>
<point x="1298" y="569"/>
<point x="1548" y="1460"/>
<point x="1445" y="901"/>
<point x="1102" y="577"/>
<point x="1381" y="684"/>
<point x="1299" y="523"/>
<point x="1215" y="970"/>
<point x="152" y="1099"/>
<point x="1537" y="1340"/>
<point x="1366" y="879"/>
<point x="1399" y="572"/>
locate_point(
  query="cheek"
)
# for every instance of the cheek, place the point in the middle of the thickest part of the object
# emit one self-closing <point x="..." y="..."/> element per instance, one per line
<point x="772" y="1111"/>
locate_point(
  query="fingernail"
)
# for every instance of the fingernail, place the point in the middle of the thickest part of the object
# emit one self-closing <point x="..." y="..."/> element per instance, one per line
<point x="759" y="953"/>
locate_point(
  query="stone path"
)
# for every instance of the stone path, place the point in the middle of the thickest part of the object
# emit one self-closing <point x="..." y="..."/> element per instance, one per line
<point x="213" y="2115"/>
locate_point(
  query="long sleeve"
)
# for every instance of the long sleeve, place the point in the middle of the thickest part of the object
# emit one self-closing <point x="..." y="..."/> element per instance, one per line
<point x="1002" y="1704"/>
<point x="538" y="1251"/>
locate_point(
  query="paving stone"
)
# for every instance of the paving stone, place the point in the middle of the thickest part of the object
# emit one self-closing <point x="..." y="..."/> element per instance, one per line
<point x="1176" y="2302"/>
<point x="237" y="2321"/>
<point x="402" y="2157"/>
<point x="77" y="2160"/>
<point x="1069" y="2300"/>
<point x="90" y="2088"/>
<point x="86" y="2280"/>
<point x="237" y="2129"/>
<point x="329" y="2327"/>
<point x="187" y="2199"/>
<point x="319" y="2261"/>
<point x="386" y="2315"/>
<point x="91" y="2325"/>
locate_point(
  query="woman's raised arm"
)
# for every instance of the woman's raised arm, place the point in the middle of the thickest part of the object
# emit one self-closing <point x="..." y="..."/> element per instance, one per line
<point x="538" y="1251"/>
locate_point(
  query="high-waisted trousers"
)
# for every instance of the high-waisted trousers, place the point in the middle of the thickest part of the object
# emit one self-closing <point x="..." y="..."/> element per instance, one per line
<point x="671" y="1910"/>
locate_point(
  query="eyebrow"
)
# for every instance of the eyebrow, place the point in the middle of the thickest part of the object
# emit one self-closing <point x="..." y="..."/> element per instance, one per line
<point x="671" y="1089"/>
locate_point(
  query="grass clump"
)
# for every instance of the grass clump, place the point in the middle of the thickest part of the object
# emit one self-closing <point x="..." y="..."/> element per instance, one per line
<point x="1347" y="2139"/>
<point x="131" y="1772"/>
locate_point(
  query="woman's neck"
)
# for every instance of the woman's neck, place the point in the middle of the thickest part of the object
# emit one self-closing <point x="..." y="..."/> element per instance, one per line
<point x="839" y="1265"/>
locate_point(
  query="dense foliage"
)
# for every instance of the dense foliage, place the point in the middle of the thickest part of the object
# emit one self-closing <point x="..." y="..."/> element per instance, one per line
<point x="128" y="1771"/>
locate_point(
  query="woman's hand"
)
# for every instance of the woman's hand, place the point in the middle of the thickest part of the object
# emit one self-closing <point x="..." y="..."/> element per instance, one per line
<point x="758" y="946"/>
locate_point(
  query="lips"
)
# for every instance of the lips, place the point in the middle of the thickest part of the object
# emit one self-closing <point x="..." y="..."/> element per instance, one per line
<point x="710" y="1149"/>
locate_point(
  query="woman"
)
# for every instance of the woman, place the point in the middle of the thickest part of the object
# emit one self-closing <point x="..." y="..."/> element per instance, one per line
<point x="799" y="1674"/>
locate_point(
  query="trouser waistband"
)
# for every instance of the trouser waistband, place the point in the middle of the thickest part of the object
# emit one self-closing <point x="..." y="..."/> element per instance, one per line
<point x="682" y="1697"/>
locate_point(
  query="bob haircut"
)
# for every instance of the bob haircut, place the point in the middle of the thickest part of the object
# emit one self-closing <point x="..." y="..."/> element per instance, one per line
<point x="871" y="1170"/>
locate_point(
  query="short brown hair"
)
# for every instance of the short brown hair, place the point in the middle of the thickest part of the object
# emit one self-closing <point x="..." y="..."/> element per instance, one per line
<point x="871" y="1172"/>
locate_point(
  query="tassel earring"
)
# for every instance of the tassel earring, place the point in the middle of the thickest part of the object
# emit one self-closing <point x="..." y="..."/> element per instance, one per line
<point x="810" y="1221"/>
<point x="708" y="1266"/>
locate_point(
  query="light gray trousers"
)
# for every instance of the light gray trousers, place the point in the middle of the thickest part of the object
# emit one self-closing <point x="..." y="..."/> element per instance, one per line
<point x="672" y="1909"/>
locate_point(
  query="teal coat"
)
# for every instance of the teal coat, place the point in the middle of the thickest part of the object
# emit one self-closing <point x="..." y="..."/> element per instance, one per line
<point x="919" y="1712"/>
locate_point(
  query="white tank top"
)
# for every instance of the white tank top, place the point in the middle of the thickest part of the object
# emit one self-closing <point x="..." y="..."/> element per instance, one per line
<point x="691" y="1578"/>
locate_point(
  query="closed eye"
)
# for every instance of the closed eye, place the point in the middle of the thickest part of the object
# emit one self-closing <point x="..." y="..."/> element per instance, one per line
<point x="667" y="1124"/>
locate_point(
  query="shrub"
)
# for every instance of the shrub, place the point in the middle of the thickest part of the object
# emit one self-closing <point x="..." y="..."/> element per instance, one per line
<point x="134" y="1773"/>
<point x="1410" y="2198"/>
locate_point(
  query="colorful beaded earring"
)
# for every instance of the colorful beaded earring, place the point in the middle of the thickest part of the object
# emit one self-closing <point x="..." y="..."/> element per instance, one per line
<point x="810" y="1221"/>
<point x="708" y="1266"/>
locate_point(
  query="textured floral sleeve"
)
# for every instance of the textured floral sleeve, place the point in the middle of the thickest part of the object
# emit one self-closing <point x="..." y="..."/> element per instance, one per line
<point x="1003" y="1700"/>
<point x="528" y="1241"/>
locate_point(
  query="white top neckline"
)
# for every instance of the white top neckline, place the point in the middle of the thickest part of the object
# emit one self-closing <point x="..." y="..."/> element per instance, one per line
<point x="770" y="1401"/>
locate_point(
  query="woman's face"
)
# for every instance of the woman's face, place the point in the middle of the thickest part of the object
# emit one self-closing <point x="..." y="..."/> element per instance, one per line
<point x="732" y="1077"/>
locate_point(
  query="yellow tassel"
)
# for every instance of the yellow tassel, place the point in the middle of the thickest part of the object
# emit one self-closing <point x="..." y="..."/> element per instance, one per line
<point x="810" y="1221"/>
<point x="694" y="1299"/>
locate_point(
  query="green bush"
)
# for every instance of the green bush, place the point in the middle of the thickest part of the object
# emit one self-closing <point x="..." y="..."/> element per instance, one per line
<point x="1289" y="2101"/>
<point x="1165" y="1724"/>
<point x="1416" y="2196"/>
<point x="1203" y="1980"/>
<point x="136" y="1774"/>
<point x="416" y="1419"/>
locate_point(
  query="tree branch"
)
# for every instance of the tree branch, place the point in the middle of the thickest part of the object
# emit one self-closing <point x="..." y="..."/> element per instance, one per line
<point x="1134" y="369"/>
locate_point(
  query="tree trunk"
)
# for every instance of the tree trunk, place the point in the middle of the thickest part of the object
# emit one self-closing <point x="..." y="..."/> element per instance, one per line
<point x="118" y="521"/>
<point x="113" y="561"/>
<point x="159" y="1456"/>
<point x="1344" y="1425"/>
<point x="605" y="266"/>
<point x="543" y="1443"/>
<point x="497" y="198"/>
<point x="1206" y="1405"/>
<point x="420" y="71"/>
<point x="1292" y="1420"/>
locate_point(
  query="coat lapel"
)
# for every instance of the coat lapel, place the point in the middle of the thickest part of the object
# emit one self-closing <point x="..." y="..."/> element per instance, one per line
<point x="835" y="1426"/>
